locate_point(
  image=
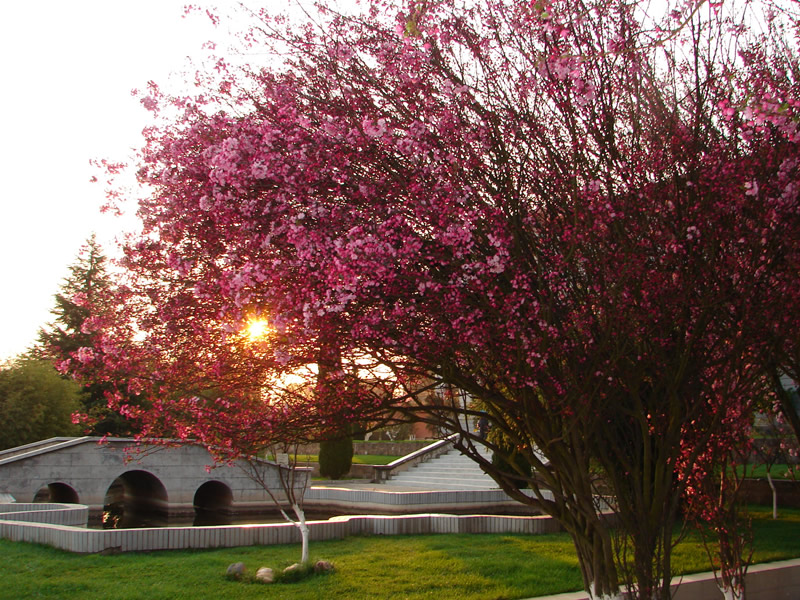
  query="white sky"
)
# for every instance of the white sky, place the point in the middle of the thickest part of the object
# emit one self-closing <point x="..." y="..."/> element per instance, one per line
<point x="67" y="69"/>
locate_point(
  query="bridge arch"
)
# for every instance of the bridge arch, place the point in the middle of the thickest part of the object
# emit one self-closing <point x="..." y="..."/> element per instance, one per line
<point x="213" y="495"/>
<point x="213" y="504"/>
<point x="57" y="492"/>
<point x="135" y="499"/>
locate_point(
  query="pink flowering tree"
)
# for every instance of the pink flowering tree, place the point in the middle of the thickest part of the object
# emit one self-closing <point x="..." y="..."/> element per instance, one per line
<point x="575" y="212"/>
<point x="774" y="81"/>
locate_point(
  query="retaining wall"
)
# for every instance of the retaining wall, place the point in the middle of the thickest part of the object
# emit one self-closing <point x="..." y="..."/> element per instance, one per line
<point x="82" y="540"/>
<point x="75" y="515"/>
<point x="357" y="471"/>
<point x="384" y="448"/>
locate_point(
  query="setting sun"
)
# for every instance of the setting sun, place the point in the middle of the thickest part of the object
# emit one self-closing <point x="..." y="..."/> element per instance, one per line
<point x="257" y="329"/>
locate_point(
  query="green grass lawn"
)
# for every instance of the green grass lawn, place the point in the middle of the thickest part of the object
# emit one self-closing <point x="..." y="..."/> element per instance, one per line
<point x="373" y="459"/>
<point x="463" y="567"/>
<point x="778" y="471"/>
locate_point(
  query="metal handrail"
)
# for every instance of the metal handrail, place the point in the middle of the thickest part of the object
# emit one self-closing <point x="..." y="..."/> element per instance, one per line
<point x="382" y="473"/>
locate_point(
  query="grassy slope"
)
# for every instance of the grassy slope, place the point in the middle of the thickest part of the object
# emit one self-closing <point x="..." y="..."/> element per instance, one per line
<point x="463" y="567"/>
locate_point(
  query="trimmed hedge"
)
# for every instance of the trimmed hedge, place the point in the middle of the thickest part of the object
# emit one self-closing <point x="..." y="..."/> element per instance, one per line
<point x="336" y="457"/>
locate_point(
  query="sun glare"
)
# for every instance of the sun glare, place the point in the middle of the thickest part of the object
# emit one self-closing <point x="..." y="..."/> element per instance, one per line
<point x="257" y="330"/>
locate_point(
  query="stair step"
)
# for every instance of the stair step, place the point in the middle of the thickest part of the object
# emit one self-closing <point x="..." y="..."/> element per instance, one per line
<point x="450" y="471"/>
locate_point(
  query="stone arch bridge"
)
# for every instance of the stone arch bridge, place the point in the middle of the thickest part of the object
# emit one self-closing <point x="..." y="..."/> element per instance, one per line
<point x="173" y="480"/>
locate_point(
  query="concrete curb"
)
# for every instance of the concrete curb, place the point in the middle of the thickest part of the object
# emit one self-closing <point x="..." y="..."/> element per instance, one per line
<point x="778" y="580"/>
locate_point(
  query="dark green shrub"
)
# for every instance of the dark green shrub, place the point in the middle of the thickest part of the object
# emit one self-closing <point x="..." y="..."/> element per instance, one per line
<point x="336" y="457"/>
<point x="522" y="470"/>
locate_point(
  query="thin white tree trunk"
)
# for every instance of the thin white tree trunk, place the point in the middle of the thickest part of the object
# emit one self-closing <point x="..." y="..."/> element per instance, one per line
<point x="731" y="593"/>
<point x="594" y="596"/>
<point x="303" y="527"/>
<point x="774" y="496"/>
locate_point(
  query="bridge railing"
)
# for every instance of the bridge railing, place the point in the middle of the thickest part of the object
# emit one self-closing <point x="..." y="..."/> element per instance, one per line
<point x="382" y="473"/>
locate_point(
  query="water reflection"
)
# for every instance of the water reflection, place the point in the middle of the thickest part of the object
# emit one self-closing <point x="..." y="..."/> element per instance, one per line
<point x="128" y="505"/>
<point x="129" y="515"/>
<point x="115" y="517"/>
<point x="206" y="517"/>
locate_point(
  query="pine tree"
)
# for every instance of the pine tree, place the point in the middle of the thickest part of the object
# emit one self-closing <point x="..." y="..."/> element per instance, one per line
<point x="86" y="280"/>
<point x="82" y="292"/>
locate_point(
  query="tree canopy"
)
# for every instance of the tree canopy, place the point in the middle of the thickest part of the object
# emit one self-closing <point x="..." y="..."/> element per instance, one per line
<point x="583" y="215"/>
<point x="36" y="402"/>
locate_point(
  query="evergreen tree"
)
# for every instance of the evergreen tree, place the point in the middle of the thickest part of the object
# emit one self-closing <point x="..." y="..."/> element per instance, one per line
<point x="82" y="287"/>
<point x="336" y="457"/>
<point x="82" y="292"/>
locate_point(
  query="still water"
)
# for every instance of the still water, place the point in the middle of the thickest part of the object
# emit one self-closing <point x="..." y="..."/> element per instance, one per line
<point x="129" y="517"/>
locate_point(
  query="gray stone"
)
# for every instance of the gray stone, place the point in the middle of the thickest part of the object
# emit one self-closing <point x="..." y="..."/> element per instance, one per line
<point x="236" y="570"/>
<point x="265" y="575"/>
<point x="291" y="569"/>
<point x="322" y="566"/>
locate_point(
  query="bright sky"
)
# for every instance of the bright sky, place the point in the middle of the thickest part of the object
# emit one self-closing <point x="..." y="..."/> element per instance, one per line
<point x="67" y="69"/>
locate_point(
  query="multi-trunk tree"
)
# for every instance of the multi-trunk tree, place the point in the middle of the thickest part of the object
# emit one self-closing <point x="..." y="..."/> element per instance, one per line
<point x="578" y="213"/>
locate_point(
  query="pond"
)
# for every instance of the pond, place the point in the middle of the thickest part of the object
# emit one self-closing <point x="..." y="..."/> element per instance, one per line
<point x="128" y="516"/>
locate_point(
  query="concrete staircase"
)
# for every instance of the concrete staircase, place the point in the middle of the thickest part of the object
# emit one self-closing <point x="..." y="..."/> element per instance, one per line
<point x="450" y="471"/>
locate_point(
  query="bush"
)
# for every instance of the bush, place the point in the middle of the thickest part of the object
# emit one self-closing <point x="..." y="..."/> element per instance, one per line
<point x="522" y="465"/>
<point x="36" y="402"/>
<point x="336" y="457"/>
